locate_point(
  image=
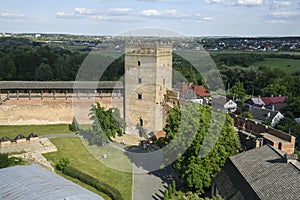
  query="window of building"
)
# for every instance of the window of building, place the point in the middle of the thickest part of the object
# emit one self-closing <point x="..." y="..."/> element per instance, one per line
<point x="139" y="80"/>
<point x="139" y="63"/>
<point x="140" y="96"/>
<point x="164" y="81"/>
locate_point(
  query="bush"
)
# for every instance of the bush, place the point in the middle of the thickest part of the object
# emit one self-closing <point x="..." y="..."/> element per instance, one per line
<point x="87" y="179"/>
<point x="64" y="162"/>
<point x="4" y="160"/>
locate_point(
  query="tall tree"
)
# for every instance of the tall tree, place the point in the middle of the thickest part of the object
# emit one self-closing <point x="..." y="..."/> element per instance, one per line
<point x="190" y="124"/>
<point x="238" y="90"/>
<point x="106" y="123"/>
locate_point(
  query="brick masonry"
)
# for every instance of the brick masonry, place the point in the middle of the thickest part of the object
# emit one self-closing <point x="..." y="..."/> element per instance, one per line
<point x="278" y="139"/>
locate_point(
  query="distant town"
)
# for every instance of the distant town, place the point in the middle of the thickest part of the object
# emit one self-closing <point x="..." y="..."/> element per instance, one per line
<point x="291" y="44"/>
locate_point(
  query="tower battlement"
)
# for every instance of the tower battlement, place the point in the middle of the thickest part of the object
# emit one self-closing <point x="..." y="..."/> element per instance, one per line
<point x="147" y="44"/>
<point x="149" y="48"/>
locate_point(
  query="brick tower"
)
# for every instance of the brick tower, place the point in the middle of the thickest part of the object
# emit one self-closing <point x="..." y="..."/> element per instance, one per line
<point x="148" y="75"/>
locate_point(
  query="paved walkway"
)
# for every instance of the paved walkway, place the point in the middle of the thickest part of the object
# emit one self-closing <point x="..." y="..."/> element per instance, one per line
<point x="60" y="135"/>
<point x="146" y="185"/>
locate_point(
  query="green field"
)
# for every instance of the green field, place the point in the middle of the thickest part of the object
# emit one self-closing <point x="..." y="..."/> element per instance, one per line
<point x="288" y="65"/>
<point x="13" y="131"/>
<point x="80" y="158"/>
<point x="116" y="158"/>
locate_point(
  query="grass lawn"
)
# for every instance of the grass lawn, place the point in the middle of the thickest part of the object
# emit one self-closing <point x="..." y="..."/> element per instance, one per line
<point x="116" y="159"/>
<point x="13" y="131"/>
<point x="80" y="158"/>
<point x="288" y="65"/>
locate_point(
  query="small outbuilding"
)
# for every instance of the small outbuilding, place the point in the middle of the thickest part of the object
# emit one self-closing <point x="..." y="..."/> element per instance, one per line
<point x="4" y="141"/>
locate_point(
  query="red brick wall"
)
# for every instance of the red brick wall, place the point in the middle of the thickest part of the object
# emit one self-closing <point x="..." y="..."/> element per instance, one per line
<point x="256" y="127"/>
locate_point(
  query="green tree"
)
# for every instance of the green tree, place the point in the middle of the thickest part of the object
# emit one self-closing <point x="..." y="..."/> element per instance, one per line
<point x="74" y="126"/>
<point x="43" y="73"/>
<point x="238" y="91"/>
<point x="190" y="125"/>
<point x="106" y="123"/>
<point x="247" y="115"/>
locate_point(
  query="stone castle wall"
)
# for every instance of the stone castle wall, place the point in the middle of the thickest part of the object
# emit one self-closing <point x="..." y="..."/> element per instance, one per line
<point x="49" y="111"/>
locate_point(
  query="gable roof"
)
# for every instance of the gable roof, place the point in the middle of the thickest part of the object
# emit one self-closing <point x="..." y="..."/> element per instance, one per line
<point x="274" y="100"/>
<point x="262" y="114"/>
<point x="268" y="100"/>
<point x="257" y="101"/>
<point x="260" y="172"/>
<point x="200" y="91"/>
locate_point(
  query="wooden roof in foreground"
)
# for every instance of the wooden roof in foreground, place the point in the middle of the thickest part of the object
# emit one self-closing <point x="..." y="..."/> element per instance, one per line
<point x="70" y="85"/>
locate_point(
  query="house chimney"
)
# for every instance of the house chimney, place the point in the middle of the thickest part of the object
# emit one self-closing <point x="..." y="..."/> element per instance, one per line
<point x="271" y="95"/>
<point x="269" y="114"/>
<point x="291" y="158"/>
<point x="273" y="107"/>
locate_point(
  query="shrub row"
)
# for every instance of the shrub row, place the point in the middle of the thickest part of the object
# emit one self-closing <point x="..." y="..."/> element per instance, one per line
<point x="100" y="186"/>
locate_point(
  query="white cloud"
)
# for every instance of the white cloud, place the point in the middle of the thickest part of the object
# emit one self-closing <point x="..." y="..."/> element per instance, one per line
<point x="65" y="15"/>
<point x="280" y="4"/>
<point x="278" y="21"/>
<point x="285" y="14"/>
<point x="10" y="15"/>
<point x="214" y="1"/>
<point x="249" y="2"/>
<point x="151" y="12"/>
<point x="119" y="11"/>
<point x="85" y="11"/>
<point x="115" y="18"/>
<point x="208" y="18"/>
<point x="171" y="13"/>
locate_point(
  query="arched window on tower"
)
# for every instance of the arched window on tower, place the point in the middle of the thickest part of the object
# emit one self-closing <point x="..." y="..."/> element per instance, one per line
<point x="139" y="63"/>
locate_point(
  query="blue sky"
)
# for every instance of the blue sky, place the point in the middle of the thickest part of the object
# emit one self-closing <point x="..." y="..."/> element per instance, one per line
<point x="189" y="17"/>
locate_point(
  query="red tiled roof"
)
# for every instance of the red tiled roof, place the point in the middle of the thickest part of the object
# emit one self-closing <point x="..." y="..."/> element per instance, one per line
<point x="200" y="91"/>
<point x="274" y="100"/>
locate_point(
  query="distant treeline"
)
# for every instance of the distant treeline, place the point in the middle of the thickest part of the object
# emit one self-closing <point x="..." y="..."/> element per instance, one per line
<point x="22" y="60"/>
<point x="38" y="63"/>
<point x="240" y="59"/>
